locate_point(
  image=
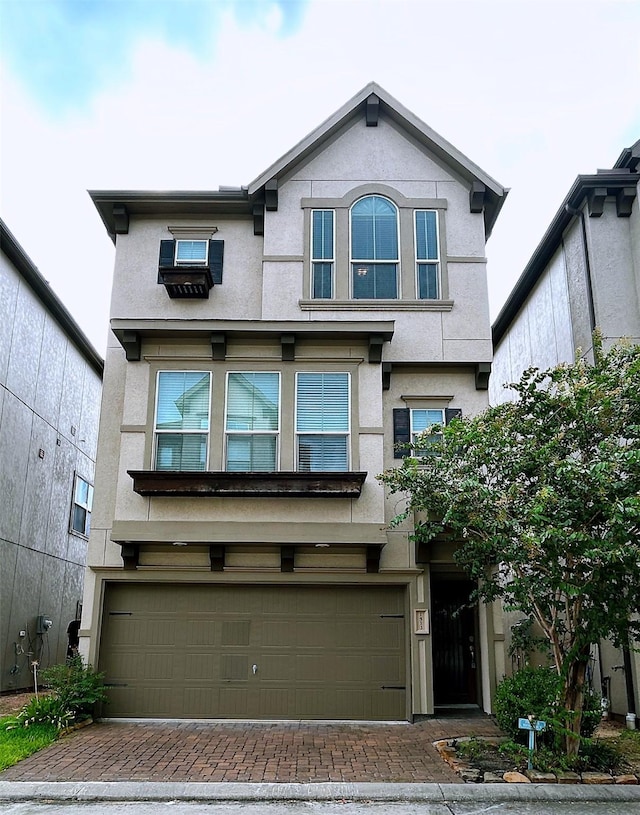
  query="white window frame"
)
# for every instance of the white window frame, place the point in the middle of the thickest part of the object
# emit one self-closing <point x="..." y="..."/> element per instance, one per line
<point x="277" y="433"/>
<point x="331" y="260"/>
<point x="172" y="431"/>
<point x="298" y="433"/>
<point x="86" y="506"/>
<point x="204" y="262"/>
<point x="387" y="262"/>
<point x="428" y="261"/>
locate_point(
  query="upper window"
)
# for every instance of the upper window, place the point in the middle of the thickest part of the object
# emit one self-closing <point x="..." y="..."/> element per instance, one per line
<point x="322" y="253"/>
<point x="422" y="420"/>
<point x="252" y="422"/>
<point x="81" y="506"/>
<point x="191" y="253"/>
<point x="322" y="421"/>
<point x="183" y="399"/>
<point x="374" y="249"/>
<point x="427" y="256"/>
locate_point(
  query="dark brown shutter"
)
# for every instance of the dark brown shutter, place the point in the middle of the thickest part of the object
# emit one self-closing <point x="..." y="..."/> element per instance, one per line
<point x="401" y="431"/>
<point x="167" y="254"/>
<point x="216" y="254"/>
<point x="452" y="413"/>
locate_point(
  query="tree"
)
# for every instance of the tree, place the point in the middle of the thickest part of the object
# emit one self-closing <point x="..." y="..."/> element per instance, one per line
<point x="542" y="495"/>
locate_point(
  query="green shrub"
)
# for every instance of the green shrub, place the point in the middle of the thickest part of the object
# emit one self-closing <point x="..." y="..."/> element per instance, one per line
<point x="528" y="692"/>
<point x="44" y="710"/>
<point x="76" y="685"/>
<point x="534" y="691"/>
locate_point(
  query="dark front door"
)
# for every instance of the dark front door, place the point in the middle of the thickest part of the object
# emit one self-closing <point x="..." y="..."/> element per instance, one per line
<point x="455" y="649"/>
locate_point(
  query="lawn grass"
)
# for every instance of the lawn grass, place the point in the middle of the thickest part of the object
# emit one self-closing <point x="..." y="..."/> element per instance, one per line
<point x="19" y="742"/>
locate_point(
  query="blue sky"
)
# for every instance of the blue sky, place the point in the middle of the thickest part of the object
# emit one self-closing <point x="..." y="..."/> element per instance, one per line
<point x="194" y="94"/>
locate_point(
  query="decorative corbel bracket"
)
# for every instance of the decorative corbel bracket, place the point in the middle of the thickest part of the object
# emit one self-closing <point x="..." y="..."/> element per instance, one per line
<point x="130" y="555"/>
<point x="596" y="199"/>
<point x="386" y="375"/>
<point x="271" y="195"/>
<point x="477" y="195"/>
<point x="132" y="344"/>
<point x="372" y="110"/>
<point x="376" y="341"/>
<point x="120" y="219"/>
<point x="288" y="345"/>
<point x="218" y="347"/>
<point x="483" y="371"/>
<point x="624" y="201"/>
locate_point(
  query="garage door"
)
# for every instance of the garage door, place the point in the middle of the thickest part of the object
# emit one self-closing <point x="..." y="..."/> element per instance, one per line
<point x="257" y="652"/>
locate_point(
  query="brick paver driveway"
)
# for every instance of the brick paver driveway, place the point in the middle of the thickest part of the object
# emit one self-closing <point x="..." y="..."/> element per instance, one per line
<point x="300" y="752"/>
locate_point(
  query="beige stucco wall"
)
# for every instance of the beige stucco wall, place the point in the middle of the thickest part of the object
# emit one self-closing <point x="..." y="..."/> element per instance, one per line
<point x="434" y="350"/>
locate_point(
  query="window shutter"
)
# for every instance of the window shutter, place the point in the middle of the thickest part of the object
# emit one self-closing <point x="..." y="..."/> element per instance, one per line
<point x="216" y="253"/>
<point x="401" y="431"/>
<point x="452" y="413"/>
<point x="167" y="254"/>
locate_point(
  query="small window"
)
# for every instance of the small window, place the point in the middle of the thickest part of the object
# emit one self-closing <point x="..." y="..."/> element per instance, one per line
<point x="374" y="249"/>
<point x="422" y="420"/>
<point x="183" y="401"/>
<point x="191" y="253"/>
<point x="252" y="422"/>
<point x="322" y="253"/>
<point x="81" y="506"/>
<point x="427" y="255"/>
<point x="322" y="421"/>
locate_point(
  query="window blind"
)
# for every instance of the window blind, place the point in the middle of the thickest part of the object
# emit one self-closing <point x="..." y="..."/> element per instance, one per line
<point x="322" y="421"/>
<point x="253" y="405"/>
<point x="182" y="420"/>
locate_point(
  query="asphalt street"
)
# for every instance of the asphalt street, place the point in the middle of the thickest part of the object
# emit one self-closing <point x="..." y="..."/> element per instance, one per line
<point x="323" y="808"/>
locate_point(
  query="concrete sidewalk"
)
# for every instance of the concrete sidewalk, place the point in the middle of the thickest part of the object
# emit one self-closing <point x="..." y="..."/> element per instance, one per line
<point x="366" y="792"/>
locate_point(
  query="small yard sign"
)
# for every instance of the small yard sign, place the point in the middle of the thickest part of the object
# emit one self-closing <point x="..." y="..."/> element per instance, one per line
<point x="533" y="726"/>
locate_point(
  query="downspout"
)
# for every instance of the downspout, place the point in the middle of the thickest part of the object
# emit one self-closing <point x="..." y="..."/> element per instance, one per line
<point x="587" y="264"/>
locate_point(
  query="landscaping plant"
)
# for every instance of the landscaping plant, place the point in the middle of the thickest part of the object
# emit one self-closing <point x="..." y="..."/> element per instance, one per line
<point x="542" y="497"/>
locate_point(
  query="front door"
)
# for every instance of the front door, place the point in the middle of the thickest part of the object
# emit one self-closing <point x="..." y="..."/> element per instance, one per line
<point x="455" y="648"/>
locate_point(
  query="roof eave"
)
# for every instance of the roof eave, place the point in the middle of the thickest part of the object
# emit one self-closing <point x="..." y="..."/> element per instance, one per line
<point x="49" y="298"/>
<point x="575" y="199"/>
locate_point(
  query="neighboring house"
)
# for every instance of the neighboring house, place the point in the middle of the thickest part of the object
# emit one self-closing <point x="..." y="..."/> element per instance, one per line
<point x="271" y="344"/>
<point x="50" y="384"/>
<point x="585" y="274"/>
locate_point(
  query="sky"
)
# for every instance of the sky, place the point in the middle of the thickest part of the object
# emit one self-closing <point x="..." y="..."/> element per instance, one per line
<point x="198" y="94"/>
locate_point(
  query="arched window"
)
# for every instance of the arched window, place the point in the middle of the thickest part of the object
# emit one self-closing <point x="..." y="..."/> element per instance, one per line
<point x="374" y="249"/>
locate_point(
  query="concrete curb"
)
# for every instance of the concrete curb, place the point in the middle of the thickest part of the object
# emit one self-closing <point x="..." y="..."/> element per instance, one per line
<point x="438" y="793"/>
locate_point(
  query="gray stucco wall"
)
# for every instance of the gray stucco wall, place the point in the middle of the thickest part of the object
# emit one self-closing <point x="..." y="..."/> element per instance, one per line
<point x="49" y="402"/>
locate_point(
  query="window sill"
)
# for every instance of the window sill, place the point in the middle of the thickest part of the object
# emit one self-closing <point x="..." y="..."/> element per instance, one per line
<point x="248" y="484"/>
<point x="375" y="305"/>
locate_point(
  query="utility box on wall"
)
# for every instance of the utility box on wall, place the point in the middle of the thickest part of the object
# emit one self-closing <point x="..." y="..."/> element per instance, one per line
<point x="43" y="624"/>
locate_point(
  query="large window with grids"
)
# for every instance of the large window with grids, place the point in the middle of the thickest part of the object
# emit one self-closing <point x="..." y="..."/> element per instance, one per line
<point x="322" y="421"/>
<point x="183" y="400"/>
<point x="322" y="253"/>
<point x="252" y="421"/>
<point x="374" y="249"/>
<point x="427" y="254"/>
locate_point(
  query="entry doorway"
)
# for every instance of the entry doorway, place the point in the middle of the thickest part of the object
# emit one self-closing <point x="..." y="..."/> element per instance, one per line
<point x="454" y="641"/>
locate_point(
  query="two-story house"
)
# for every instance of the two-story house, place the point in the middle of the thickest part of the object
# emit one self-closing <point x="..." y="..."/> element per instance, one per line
<point x="50" y="385"/>
<point x="584" y="274"/>
<point x="271" y="344"/>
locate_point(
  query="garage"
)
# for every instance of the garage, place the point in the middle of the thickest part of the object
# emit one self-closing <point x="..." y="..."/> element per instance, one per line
<point x="254" y="652"/>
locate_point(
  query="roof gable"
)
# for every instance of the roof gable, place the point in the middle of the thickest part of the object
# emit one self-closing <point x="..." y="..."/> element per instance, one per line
<point x="485" y="192"/>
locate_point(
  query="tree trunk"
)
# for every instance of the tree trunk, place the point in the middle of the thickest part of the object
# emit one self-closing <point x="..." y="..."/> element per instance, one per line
<point x="574" y="699"/>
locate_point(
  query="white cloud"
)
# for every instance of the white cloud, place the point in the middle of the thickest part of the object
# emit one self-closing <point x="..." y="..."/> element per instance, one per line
<point x="522" y="89"/>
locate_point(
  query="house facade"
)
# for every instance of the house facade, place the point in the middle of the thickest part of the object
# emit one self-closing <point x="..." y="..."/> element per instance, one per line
<point x="584" y="274"/>
<point x="271" y="345"/>
<point x="50" y="386"/>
